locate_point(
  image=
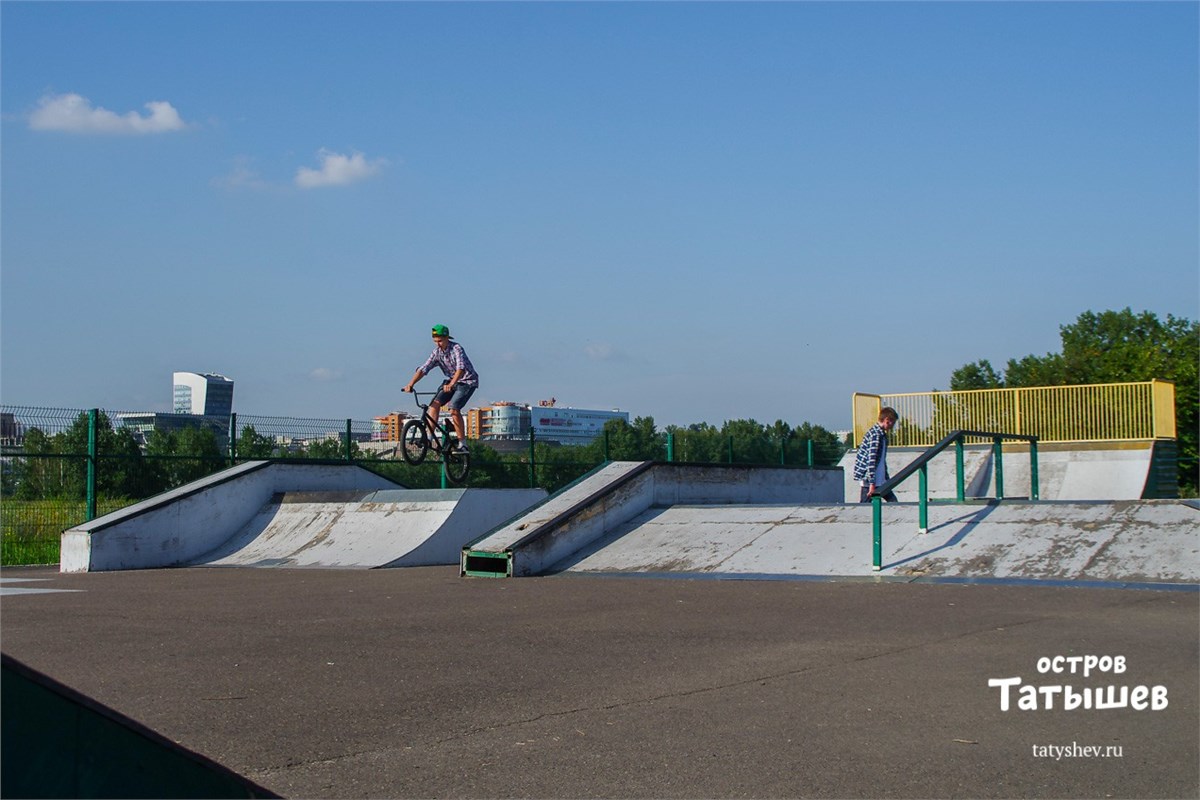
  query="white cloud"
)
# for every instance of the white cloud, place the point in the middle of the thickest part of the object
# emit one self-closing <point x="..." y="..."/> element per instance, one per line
<point x="325" y="374"/>
<point x="73" y="113"/>
<point x="242" y="176"/>
<point x="338" y="170"/>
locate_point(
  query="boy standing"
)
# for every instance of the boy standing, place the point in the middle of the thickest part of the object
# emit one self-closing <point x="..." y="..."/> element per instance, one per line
<point x="870" y="462"/>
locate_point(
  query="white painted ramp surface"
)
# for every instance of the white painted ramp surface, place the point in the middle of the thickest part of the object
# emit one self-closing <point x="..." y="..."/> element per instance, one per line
<point x="388" y="528"/>
<point x="1132" y="541"/>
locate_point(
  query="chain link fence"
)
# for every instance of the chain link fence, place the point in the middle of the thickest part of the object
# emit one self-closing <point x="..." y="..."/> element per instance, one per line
<point x="62" y="467"/>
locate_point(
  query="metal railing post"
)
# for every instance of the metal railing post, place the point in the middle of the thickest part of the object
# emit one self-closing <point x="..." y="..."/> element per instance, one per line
<point x="923" y="508"/>
<point x="998" y="456"/>
<point x="349" y="450"/>
<point x="93" y="416"/>
<point x="877" y="532"/>
<point x="232" y="440"/>
<point x="959" y="480"/>
<point x="811" y="460"/>
<point x="1034" y="491"/>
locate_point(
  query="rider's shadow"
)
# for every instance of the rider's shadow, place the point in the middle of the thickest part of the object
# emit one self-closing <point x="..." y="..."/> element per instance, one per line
<point x="972" y="521"/>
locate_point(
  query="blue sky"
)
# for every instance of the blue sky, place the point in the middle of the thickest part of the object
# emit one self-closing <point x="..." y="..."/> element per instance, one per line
<point x="691" y="211"/>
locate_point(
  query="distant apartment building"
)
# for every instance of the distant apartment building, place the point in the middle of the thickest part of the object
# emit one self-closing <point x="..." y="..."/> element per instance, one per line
<point x="498" y="422"/>
<point x="387" y="428"/>
<point x="571" y="425"/>
<point x="506" y="421"/>
<point x="206" y="394"/>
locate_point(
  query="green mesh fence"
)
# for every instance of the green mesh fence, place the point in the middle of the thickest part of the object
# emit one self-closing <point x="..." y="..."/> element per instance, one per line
<point x="45" y="455"/>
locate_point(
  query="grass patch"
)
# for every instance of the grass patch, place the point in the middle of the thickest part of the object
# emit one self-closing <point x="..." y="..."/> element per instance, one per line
<point x="30" y="529"/>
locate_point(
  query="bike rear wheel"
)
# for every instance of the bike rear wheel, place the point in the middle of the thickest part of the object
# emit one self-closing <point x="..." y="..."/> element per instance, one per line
<point x="414" y="441"/>
<point x="458" y="465"/>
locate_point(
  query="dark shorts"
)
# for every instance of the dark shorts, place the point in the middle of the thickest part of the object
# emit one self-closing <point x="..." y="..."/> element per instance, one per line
<point x="456" y="399"/>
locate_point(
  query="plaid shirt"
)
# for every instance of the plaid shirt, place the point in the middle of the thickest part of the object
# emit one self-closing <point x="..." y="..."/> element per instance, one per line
<point x="870" y="462"/>
<point x="452" y="359"/>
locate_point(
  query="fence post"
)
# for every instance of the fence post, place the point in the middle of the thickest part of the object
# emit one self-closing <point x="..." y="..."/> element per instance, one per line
<point x="233" y="439"/>
<point x="93" y="415"/>
<point x="877" y="531"/>
<point x="810" y="452"/>
<point x="349" y="449"/>
<point x="959" y="481"/>
<point x="783" y="452"/>
<point x="1034" y="492"/>
<point x="730" y="449"/>
<point x="923" y="509"/>
<point x="606" y="456"/>
<point x="670" y="447"/>
<point x="998" y="455"/>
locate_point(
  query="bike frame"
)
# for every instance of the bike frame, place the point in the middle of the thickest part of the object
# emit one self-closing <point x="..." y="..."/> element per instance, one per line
<point x="439" y="434"/>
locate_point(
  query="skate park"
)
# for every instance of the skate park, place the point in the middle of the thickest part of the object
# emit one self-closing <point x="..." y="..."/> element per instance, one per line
<point x="1005" y="510"/>
<point x="655" y="629"/>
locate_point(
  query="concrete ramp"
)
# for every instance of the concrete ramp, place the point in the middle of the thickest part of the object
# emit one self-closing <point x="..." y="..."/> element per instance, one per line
<point x="619" y="491"/>
<point x="276" y="513"/>
<point x="387" y="528"/>
<point x="1122" y="542"/>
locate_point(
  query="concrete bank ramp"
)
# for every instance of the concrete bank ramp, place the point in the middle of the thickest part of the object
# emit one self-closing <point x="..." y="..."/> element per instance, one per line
<point x="1154" y="541"/>
<point x="619" y="491"/>
<point x="386" y="528"/>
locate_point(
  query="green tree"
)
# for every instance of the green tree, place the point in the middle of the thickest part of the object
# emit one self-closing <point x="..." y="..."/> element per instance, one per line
<point x="332" y="448"/>
<point x="56" y="466"/>
<point x="639" y="441"/>
<point x="978" y="375"/>
<point x="252" y="445"/>
<point x="184" y="455"/>
<point x="120" y="472"/>
<point x="38" y="475"/>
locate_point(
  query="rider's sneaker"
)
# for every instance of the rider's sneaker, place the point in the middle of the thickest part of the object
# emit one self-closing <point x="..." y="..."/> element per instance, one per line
<point x="462" y="448"/>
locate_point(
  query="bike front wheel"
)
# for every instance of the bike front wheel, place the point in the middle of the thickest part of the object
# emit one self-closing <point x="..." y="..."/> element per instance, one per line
<point x="457" y="464"/>
<point x="414" y="441"/>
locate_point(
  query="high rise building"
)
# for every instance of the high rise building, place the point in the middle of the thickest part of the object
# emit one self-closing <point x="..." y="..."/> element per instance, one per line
<point x="206" y="394"/>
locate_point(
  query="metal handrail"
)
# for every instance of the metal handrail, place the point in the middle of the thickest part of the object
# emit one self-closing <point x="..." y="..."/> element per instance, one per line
<point x="921" y="466"/>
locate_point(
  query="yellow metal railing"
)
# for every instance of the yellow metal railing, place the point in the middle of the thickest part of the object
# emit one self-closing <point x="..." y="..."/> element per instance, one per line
<point x="1105" y="412"/>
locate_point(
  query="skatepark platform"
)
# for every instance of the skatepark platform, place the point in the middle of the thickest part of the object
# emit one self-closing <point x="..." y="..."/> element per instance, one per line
<point x="271" y="514"/>
<point x="1066" y="471"/>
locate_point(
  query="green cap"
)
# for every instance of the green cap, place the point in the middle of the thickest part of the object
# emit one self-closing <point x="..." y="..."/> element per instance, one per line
<point x="442" y="330"/>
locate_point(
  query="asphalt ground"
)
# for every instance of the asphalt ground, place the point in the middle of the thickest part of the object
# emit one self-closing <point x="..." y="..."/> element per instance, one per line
<point x="417" y="683"/>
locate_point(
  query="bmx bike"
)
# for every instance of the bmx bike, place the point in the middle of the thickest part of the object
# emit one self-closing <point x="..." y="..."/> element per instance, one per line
<point x="419" y="436"/>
